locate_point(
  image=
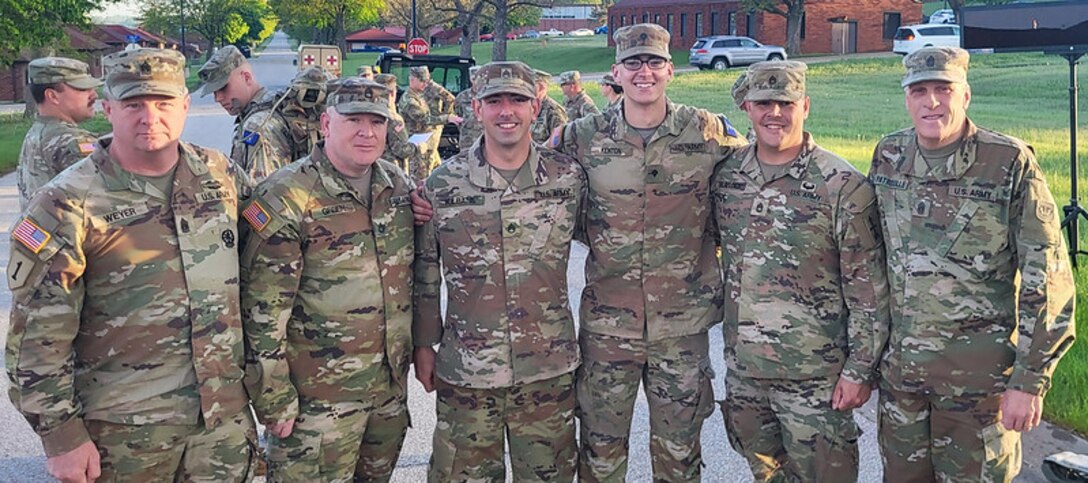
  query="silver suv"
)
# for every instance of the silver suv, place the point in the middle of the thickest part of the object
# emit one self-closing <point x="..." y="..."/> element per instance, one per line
<point x="721" y="52"/>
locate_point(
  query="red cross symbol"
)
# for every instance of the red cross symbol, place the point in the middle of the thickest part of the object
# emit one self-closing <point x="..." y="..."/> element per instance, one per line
<point x="309" y="59"/>
<point x="331" y="60"/>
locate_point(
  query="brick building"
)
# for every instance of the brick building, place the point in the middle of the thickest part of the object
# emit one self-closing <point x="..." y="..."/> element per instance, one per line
<point x="79" y="45"/>
<point x="829" y="26"/>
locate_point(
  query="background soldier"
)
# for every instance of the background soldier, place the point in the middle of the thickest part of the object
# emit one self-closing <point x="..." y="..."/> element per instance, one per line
<point x="470" y="127"/>
<point x="64" y="92"/>
<point x="653" y="287"/>
<point x="552" y="115"/>
<point x="578" y="104"/>
<point x="261" y="141"/>
<point x="366" y="72"/>
<point x="139" y="376"/>
<point x="397" y="147"/>
<point x="327" y="299"/>
<point x="982" y="292"/>
<point x="800" y="355"/>
<point x="420" y="118"/>
<point x="611" y="90"/>
<point x="302" y="106"/>
<point x="506" y="214"/>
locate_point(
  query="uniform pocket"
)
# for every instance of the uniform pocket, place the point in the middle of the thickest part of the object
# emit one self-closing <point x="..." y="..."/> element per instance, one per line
<point x="1002" y="453"/>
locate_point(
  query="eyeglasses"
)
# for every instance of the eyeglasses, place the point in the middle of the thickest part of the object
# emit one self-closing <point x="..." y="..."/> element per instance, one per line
<point x="635" y="63"/>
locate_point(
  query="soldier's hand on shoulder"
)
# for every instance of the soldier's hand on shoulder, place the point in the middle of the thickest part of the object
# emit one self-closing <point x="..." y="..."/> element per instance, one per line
<point x="1020" y="411"/>
<point x="422" y="210"/>
<point x="80" y="465"/>
<point x="282" y="429"/>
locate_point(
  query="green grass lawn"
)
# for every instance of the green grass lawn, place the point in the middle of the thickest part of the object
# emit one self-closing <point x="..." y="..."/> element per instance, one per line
<point x="13" y="129"/>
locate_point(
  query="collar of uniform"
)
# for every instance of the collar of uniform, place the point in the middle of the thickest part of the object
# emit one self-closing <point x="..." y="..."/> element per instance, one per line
<point x="335" y="183"/>
<point x="53" y="120"/>
<point x="751" y="168"/>
<point x="962" y="159"/>
<point x="623" y="131"/>
<point x="248" y="108"/>
<point x="117" y="178"/>
<point x="481" y="175"/>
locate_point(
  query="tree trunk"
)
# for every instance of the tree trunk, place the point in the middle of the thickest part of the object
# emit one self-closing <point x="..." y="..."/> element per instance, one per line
<point x="794" y="16"/>
<point x="341" y="32"/>
<point x="469" y="33"/>
<point x="498" y="51"/>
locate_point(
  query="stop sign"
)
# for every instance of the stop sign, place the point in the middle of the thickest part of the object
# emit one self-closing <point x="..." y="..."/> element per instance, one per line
<point x="418" y="46"/>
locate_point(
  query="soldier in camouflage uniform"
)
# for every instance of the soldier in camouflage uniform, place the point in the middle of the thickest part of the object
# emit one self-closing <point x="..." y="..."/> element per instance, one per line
<point x="261" y="142"/>
<point x="398" y="149"/>
<point x="326" y="300"/>
<point x="800" y="355"/>
<point x="420" y="118"/>
<point x="126" y="347"/>
<point x="301" y="107"/>
<point x="653" y="287"/>
<point x="470" y="127"/>
<point x="982" y="291"/>
<point x="611" y="90"/>
<point x="552" y="114"/>
<point x="64" y="93"/>
<point x="578" y="104"/>
<point x="365" y="72"/>
<point x="506" y="215"/>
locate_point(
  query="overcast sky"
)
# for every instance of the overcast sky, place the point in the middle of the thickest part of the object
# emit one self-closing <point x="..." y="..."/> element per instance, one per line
<point x="117" y="12"/>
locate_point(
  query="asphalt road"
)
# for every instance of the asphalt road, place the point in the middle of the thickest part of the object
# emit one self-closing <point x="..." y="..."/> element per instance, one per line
<point x="22" y="459"/>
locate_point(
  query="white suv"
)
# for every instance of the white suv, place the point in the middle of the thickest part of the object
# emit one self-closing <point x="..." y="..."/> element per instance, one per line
<point x="724" y="51"/>
<point x="913" y="37"/>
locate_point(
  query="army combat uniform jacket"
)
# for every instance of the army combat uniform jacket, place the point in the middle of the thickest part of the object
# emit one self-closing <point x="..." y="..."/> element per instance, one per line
<point x="125" y="303"/>
<point x="504" y="249"/>
<point x="262" y="139"/>
<point x="397" y="147"/>
<point x="419" y="118"/>
<point x="327" y="283"/>
<point x="551" y="116"/>
<point x="470" y="129"/>
<point x="805" y="288"/>
<point x="579" y="106"/>
<point x="653" y="270"/>
<point x="981" y="287"/>
<point x="50" y="146"/>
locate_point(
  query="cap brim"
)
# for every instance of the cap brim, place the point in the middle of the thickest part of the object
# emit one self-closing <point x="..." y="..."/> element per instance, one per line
<point x="773" y="95"/>
<point x="211" y="87"/>
<point x="933" y="75"/>
<point x="362" y="108"/>
<point x="136" y="89"/>
<point x="84" y="83"/>
<point x="492" y="91"/>
<point x="627" y="54"/>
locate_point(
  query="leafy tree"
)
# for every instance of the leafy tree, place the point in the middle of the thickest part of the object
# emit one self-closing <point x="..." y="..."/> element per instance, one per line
<point x="792" y="10"/>
<point x="234" y="28"/>
<point x="328" y="18"/>
<point x="38" y="23"/>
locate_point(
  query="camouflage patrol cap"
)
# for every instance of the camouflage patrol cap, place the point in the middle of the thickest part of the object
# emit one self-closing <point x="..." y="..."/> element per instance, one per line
<point x="364" y="70"/>
<point x="776" y="80"/>
<point x="388" y="80"/>
<point x="354" y="95"/>
<point x="144" y="72"/>
<point x="740" y="89"/>
<point x="947" y="64"/>
<point x="542" y="76"/>
<point x="215" y="73"/>
<point x="570" y="77"/>
<point x="505" y="78"/>
<point x="608" y="80"/>
<point x="57" y="70"/>
<point x="643" y="38"/>
<point x="420" y="72"/>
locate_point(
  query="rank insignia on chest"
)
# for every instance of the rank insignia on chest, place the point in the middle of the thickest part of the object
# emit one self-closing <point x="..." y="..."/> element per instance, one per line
<point x="759" y="207"/>
<point x="31" y="235"/>
<point x="256" y="215"/>
<point x="250" y="138"/>
<point x="921" y="208"/>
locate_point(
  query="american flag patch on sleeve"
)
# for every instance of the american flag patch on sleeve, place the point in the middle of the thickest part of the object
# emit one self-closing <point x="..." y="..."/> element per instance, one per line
<point x="86" y="148"/>
<point x="256" y="215"/>
<point x="31" y="235"/>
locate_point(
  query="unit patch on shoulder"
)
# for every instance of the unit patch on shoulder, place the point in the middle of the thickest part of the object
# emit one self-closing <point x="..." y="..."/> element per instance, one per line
<point x="256" y="215"/>
<point x="250" y="138"/>
<point x="31" y="235"/>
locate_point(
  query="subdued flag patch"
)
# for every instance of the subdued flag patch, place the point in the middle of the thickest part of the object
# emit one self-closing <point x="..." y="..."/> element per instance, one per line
<point x="86" y="148"/>
<point x="31" y="235"/>
<point x="256" y="216"/>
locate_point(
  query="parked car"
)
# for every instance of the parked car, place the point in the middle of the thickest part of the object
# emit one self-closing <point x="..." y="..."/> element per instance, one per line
<point x="530" y="34"/>
<point x="580" y="33"/>
<point x="721" y="52"/>
<point x="946" y="15"/>
<point x="602" y="30"/>
<point x="371" y="48"/>
<point x="913" y="37"/>
<point x="552" y="33"/>
<point x="245" y="50"/>
<point x="487" y="37"/>
<point x="511" y="36"/>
